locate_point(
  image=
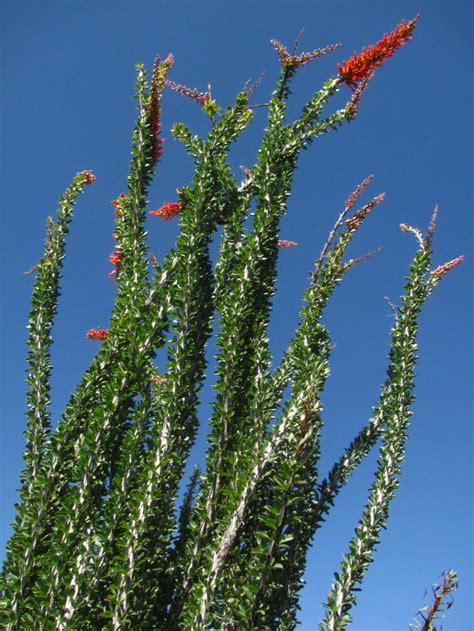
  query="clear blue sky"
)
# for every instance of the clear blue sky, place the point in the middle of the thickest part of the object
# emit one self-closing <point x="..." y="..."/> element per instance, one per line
<point x="67" y="77"/>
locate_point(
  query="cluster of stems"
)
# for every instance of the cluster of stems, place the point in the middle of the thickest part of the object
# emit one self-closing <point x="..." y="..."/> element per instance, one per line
<point x="99" y="539"/>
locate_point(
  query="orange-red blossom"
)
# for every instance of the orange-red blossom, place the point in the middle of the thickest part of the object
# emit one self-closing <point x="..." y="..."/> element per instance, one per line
<point x="97" y="334"/>
<point x="117" y="202"/>
<point x="115" y="258"/>
<point x="167" y="211"/>
<point x="361" y="65"/>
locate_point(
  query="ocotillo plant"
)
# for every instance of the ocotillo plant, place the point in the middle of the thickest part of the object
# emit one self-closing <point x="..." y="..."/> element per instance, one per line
<point x="99" y="538"/>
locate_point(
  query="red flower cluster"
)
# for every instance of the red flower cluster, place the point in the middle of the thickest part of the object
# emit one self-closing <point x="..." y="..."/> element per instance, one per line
<point x="116" y="203"/>
<point x="90" y="177"/>
<point x="115" y="258"/>
<point x="167" y="211"/>
<point x="286" y="244"/>
<point x="361" y="65"/>
<point x="97" y="334"/>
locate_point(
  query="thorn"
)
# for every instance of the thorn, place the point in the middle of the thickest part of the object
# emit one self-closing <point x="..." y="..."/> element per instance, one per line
<point x="32" y="269"/>
<point x="154" y="261"/>
<point x="256" y="83"/>
<point x="297" y="40"/>
<point x="395" y="314"/>
<point x="353" y="262"/>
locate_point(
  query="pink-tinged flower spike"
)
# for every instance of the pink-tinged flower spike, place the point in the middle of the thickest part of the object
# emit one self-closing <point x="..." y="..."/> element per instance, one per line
<point x="352" y="107"/>
<point x="97" y="334"/>
<point x="354" y="196"/>
<point x="200" y="97"/>
<point x="440" y="271"/>
<point x="358" y="217"/>
<point x="90" y="178"/>
<point x="167" y="211"/>
<point x="282" y="51"/>
<point x="282" y="243"/>
<point x="361" y="65"/>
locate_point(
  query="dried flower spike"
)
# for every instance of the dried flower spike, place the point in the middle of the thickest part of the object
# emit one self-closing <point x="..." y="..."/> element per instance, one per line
<point x="304" y="58"/>
<point x="361" y="65"/>
<point x="294" y="61"/>
<point x="167" y="211"/>
<point x="97" y="334"/>
<point x="200" y="97"/>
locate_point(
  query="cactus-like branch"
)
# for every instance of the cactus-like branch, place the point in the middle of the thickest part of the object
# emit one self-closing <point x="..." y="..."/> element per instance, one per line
<point x="98" y="541"/>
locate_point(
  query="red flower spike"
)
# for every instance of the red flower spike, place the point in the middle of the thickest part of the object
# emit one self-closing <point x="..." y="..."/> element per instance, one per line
<point x="97" y="334"/>
<point x="167" y="211"/>
<point x="361" y="65"/>
<point x="115" y="258"/>
<point x="88" y="175"/>
<point x="282" y="243"/>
